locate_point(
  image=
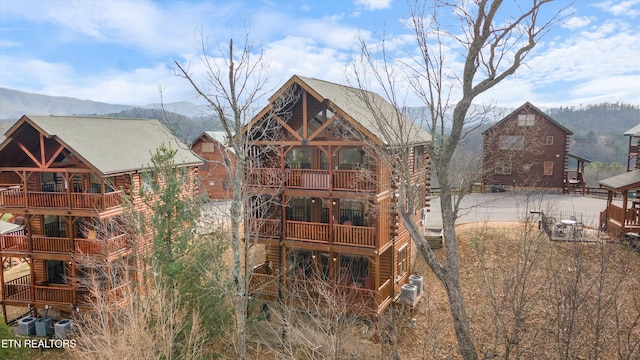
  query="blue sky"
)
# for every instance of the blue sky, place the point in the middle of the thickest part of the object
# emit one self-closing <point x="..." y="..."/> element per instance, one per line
<point x="122" y="51"/>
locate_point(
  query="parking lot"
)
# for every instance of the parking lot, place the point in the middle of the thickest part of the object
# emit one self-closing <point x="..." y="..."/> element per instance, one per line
<point x="513" y="206"/>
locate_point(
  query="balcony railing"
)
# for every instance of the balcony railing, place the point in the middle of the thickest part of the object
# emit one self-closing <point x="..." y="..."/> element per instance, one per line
<point x="55" y="294"/>
<point x="264" y="228"/>
<point x="361" y="236"/>
<point x="60" y="200"/>
<point x="18" y="289"/>
<point x="355" y="235"/>
<point x="48" y="244"/>
<point x="324" y="293"/>
<point x="307" y="231"/>
<point x="307" y="179"/>
<point x="18" y="243"/>
<point x="60" y="245"/>
<point x="362" y="180"/>
<point x="268" y="177"/>
<point x="348" y="180"/>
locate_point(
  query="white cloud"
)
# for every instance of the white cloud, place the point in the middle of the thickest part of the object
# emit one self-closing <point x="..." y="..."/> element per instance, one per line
<point x="577" y="22"/>
<point x="374" y="4"/>
<point x="620" y="8"/>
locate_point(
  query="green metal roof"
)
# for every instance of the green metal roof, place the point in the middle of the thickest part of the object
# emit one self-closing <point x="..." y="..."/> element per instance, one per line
<point x="634" y="131"/>
<point x="111" y="145"/>
<point x="626" y="181"/>
<point x="350" y="101"/>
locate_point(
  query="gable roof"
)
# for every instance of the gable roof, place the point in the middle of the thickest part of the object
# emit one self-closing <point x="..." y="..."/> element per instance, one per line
<point x="217" y="136"/>
<point x="347" y="102"/>
<point x="634" y="131"/>
<point x="108" y="145"/>
<point x="625" y="181"/>
<point x="534" y="108"/>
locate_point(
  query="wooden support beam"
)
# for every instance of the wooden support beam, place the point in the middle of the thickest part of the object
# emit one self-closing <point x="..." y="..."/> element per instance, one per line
<point x="55" y="155"/>
<point x="42" y="161"/>
<point x="324" y="126"/>
<point x="30" y="155"/>
<point x="287" y="127"/>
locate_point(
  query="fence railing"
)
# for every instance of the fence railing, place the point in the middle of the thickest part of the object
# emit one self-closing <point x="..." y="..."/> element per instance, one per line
<point x="60" y="200"/>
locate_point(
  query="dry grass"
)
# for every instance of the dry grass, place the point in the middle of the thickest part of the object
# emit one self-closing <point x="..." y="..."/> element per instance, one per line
<point x="610" y="296"/>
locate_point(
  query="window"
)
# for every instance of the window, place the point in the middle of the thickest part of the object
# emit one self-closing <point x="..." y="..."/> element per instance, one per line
<point x="418" y="158"/>
<point x="208" y="147"/>
<point x="402" y="261"/>
<point x="511" y="142"/>
<point x="549" y="140"/>
<point x="548" y="168"/>
<point x="503" y="167"/>
<point x="57" y="271"/>
<point x="526" y="119"/>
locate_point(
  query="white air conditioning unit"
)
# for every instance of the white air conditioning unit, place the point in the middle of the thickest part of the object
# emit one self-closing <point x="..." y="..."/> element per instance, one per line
<point x="409" y="294"/>
<point x="27" y="326"/>
<point x="418" y="281"/>
<point x="63" y="328"/>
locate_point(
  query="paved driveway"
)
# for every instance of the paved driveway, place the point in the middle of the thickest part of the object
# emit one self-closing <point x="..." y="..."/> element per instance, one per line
<point x="512" y="206"/>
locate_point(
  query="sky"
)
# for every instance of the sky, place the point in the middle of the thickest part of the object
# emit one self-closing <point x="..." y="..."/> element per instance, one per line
<point x="123" y="52"/>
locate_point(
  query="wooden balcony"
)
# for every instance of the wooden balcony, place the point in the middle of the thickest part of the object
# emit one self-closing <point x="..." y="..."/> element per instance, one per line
<point x="59" y="245"/>
<point x="342" y="297"/>
<point x="350" y="235"/>
<point x="264" y="228"/>
<point x="18" y="198"/>
<point x="316" y="179"/>
<point x="307" y="179"/>
<point x="361" y="180"/>
<point x="19" y="291"/>
<point x="363" y="236"/>
<point x="267" y="177"/>
<point x="307" y="231"/>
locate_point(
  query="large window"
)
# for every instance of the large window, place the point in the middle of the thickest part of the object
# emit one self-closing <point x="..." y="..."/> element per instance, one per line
<point x="548" y="168"/>
<point x="511" y="142"/>
<point x="526" y="119"/>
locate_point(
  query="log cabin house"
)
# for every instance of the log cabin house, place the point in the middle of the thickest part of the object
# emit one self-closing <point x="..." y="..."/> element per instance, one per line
<point x="620" y="220"/>
<point x="528" y="148"/>
<point x="211" y="147"/>
<point x="66" y="178"/>
<point x="323" y="206"/>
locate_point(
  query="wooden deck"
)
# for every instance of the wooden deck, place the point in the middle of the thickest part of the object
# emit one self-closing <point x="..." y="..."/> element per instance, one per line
<point x="350" y="297"/>
<point x="17" y="198"/>
<point x="23" y="245"/>
<point x="21" y="292"/>
<point x="313" y="179"/>
<point x="350" y="235"/>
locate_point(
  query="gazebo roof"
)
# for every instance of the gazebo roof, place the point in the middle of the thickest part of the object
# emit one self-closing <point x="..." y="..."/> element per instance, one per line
<point x="622" y="182"/>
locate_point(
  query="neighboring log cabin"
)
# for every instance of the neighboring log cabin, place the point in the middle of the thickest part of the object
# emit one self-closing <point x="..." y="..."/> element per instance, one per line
<point x="529" y="149"/>
<point x="620" y="220"/>
<point x="323" y="206"/>
<point x="218" y="159"/>
<point x="65" y="180"/>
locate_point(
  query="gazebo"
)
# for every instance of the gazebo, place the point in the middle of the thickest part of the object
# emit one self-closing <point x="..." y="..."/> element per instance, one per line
<point x="620" y="220"/>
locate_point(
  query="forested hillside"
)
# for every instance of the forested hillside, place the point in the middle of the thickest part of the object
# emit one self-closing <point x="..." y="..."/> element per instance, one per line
<point x="598" y="130"/>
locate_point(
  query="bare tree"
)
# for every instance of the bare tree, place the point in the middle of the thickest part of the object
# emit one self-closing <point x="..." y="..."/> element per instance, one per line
<point x="493" y="39"/>
<point x="231" y="87"/>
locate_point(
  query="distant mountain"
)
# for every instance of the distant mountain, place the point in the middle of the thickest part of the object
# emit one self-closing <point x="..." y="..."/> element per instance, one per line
<point x="14" y="103"/>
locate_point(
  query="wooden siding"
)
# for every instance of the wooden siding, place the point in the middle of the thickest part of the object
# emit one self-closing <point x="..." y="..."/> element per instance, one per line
<point x="527" y="164"/>
<point x="213" y="173"/>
